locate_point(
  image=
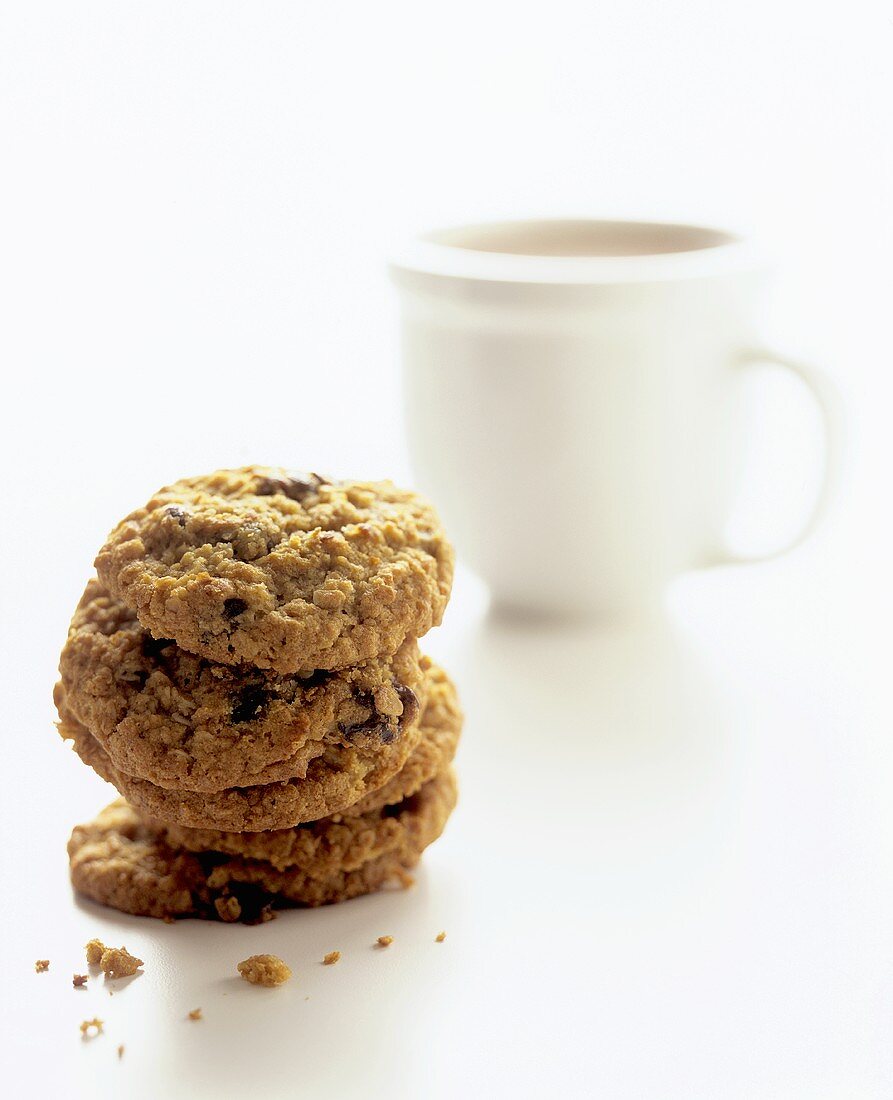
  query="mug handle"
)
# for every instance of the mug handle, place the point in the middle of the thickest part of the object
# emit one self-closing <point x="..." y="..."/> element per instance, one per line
<point x="830" y="405"/>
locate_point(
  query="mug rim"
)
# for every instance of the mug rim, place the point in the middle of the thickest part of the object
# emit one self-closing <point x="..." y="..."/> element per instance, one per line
<point x="431" y="254"/>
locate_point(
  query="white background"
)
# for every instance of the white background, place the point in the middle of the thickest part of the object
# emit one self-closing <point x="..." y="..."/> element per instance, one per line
<point x="670" y="872"/>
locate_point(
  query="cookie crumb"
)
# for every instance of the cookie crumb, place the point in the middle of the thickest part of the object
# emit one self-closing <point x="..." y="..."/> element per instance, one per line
<point x="79" y="981"/>
<point x="406" y="879"/>
<point x="42" y="965"/>
<point x="332" y="957"/>
<point x="228" y="909"/>
<point x="94" y="951"/>
<point x="385" y="941"/>
<point x="195" y="1014"/>
<point x="264" y="970"/>
<point x="168" y="919"/>
<point x="117" y="962"/>
<point x="120" y="1051"/>
<point x="440" y="937"/>
<point x="91" y="1028"/>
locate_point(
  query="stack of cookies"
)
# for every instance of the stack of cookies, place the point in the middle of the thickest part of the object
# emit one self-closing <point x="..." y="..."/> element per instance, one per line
<point x="245" y="670"/>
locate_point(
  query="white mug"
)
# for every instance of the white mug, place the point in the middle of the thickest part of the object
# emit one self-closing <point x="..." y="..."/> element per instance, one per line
<point x="570" y="403"/>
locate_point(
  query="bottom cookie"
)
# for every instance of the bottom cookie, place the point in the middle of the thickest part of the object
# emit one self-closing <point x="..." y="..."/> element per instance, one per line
<point x="123" y="860"/>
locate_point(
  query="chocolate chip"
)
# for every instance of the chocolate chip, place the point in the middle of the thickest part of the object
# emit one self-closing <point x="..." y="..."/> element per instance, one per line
<point x="233" y="607"/>
<point x="410" y="702"/>
<point x="368" y="725"/>
<point x="250" y="703"/>
<point x="294" y="486"/>
<point x="177" y="513"/>
<point x="372" y="725"/>
<point x="385" y="727"/>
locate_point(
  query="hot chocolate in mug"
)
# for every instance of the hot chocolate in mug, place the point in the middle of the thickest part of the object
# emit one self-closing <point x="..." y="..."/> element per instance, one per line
<point x="571" y="402"/>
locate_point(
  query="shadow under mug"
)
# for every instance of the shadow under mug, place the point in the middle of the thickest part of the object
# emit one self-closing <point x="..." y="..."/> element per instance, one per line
<point x="571" y="406"/>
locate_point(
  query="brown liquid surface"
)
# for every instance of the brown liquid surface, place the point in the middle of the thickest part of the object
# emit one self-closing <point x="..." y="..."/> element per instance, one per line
<point x="581" y="238"/>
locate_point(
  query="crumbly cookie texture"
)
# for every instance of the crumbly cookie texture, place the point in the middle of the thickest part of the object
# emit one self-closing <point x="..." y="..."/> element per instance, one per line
<point x="339" y="842"/>
<point x="93" y="949"/>
<point x="115" y="962"/>
<point x="441" y="726"/>
<point x="184" y="722"/>
<point x="264" y="970"/>
<point x="123" y="861"/>
<point x="281" y="570"/>
<point x="345" y="773"/>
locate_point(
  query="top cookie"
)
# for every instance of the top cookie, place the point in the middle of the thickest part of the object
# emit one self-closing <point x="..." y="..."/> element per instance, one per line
<point x="281" y="570"/>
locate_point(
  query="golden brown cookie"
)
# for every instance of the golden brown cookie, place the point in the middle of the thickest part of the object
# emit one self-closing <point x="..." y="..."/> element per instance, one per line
<point x="341" y="776"/>
<point x="342" y="843"/>
<point x="123" y="861"/>
<point x="187" y="723"/>
<point x="346" y="780"/>
<point x="281" y="570"/>
<point x="441" y="724"/>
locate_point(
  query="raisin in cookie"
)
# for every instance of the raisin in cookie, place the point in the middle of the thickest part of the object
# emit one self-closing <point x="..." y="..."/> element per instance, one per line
<point x="441" y="726"/>
<point x="122" y="860"/>
<point x="432" y="756"/>
<point x="187" y="723"/>
<point x="342" y="775"/>
<point x="281" y="570"/>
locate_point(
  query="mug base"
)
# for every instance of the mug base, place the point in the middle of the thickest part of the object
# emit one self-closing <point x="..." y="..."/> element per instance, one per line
<point x="523" y="614"/>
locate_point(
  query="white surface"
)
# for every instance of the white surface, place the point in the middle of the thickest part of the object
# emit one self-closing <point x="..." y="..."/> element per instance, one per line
<point x="670" y="872"/>
<point x="666" y="877"/>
